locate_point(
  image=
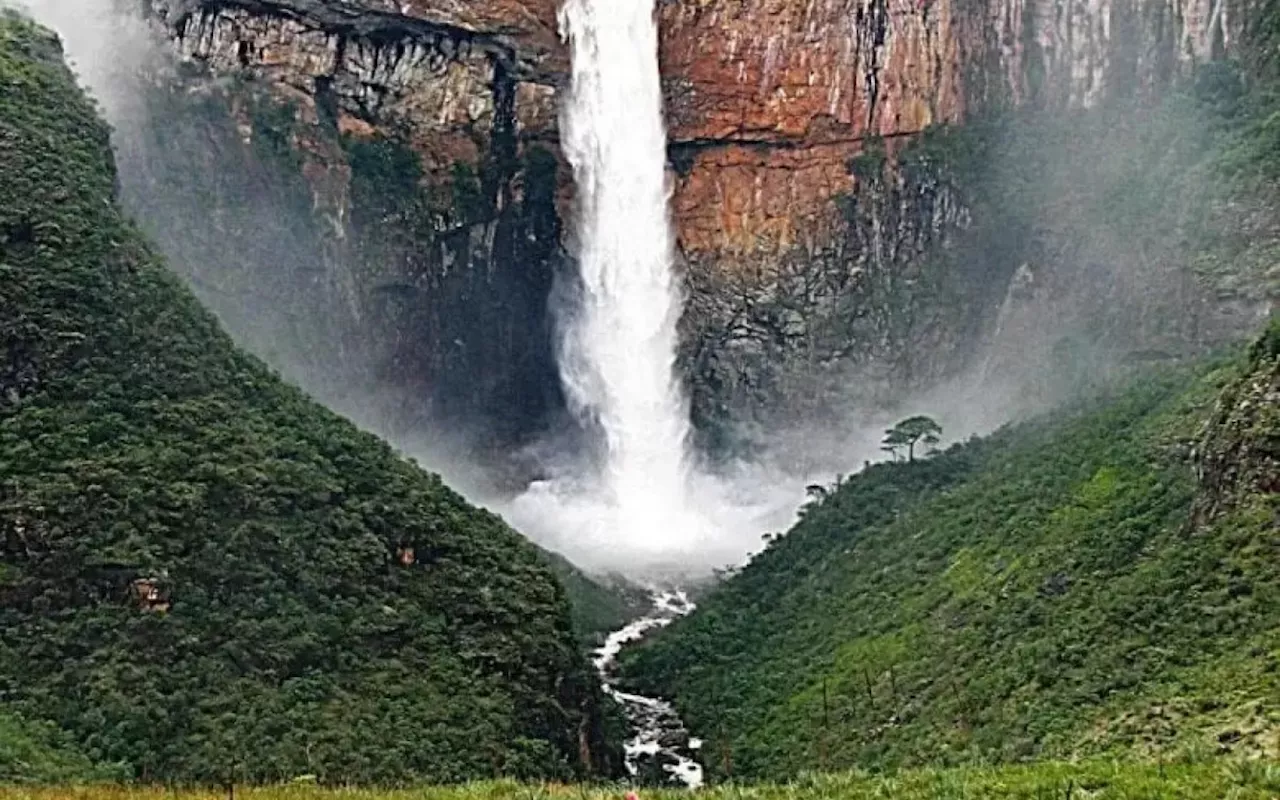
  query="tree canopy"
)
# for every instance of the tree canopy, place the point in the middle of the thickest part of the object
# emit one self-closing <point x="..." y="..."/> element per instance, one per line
<point x="204" y="575"/>
<point x="910" y="432"/>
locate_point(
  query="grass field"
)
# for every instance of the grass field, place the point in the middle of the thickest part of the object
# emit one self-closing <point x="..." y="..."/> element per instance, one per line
<point x="1241" y="780"/>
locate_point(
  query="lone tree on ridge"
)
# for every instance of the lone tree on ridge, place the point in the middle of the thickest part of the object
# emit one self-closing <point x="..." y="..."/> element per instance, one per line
<point x="910" y="432"/>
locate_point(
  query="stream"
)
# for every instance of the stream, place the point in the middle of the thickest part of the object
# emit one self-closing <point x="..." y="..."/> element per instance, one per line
<point x="661" y="750"/>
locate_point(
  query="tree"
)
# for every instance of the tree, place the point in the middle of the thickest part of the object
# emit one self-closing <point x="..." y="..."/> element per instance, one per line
<point x="892" y="444"/>
<point x="910" y="432"/>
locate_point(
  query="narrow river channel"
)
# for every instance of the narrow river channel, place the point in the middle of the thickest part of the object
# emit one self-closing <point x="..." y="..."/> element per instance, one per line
<point x="661" y="745"/>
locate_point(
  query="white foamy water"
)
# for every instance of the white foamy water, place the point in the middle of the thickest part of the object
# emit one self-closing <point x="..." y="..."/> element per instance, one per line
<point x="618" y="336"/>
<point x="617" y="361"/>
<point x="644" y="507"/>
<point x="658" y="733"/>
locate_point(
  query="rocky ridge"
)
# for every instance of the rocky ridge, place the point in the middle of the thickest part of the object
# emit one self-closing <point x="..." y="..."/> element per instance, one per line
<point x="1238" y="457"/>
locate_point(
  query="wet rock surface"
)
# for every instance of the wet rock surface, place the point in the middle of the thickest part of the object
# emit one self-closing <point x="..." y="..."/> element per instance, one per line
<point x="367" y="194"/>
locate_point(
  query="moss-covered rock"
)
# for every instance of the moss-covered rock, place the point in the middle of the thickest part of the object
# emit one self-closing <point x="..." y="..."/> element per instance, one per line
<point x="1239" y="453"/>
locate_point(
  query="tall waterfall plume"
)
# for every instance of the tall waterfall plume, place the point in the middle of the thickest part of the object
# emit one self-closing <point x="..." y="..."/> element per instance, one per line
<point x="617" y="357"/>
<point x="644" y="507"/>
<point x="617" y="325"/>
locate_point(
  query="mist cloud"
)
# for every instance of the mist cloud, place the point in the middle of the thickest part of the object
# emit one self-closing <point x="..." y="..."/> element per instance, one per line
<point x="108" y="49"/>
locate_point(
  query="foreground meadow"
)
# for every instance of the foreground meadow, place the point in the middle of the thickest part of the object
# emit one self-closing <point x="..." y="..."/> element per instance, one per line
<point x="1243" y="780"/>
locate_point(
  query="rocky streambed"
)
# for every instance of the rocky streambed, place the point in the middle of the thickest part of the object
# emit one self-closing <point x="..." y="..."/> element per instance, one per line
<point x="660" y="750"/>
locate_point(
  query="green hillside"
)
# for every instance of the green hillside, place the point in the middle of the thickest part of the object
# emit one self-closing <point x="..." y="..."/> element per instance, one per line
<point x="206" y="576"/>
<point x="1060" y="589"/>
<point x="40" y="754"/>
<point x="600" y="604"/>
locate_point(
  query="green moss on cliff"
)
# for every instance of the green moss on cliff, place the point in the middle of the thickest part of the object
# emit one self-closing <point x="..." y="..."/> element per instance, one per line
<point x="1268" y="344"/>
<point x="204" y="574"/>
<point x="1239" y="454"/>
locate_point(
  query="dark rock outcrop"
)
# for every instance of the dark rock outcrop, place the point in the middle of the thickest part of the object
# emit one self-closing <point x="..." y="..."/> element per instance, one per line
<point x="367" y="195"/>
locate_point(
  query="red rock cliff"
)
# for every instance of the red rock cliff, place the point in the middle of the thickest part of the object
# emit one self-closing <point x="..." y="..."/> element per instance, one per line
<point x="767" y="102"/>
<point x="770" y="98"/>
<point x="799" y="274"/>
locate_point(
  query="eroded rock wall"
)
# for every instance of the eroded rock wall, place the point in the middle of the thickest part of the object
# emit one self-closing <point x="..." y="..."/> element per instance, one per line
<point x="432" y="194"/>
<point x="770" y="93"/>
<point x="772" y="101"/>
<point x="366" y="193"/>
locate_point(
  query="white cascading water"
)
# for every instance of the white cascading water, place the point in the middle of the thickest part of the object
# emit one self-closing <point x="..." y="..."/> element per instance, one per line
<point x="646" y="510"/>
<point x="617" y="360"/>
<point x="618" y="337"/>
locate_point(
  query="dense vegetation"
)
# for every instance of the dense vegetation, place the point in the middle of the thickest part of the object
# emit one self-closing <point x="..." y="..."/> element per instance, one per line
<point x="204" y="575"/>
<point x="1044" y="593"/>
<point x="600" y="605"/>
<point x="39" y="753"/>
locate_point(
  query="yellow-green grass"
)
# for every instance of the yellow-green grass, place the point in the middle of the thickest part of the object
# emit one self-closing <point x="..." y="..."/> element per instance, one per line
<point x="1237" y="780"/>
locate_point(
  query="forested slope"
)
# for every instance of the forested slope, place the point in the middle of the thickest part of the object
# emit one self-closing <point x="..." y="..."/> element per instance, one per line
<point x="602" y="603"/>
<point x="1105" y="581"/>
<point x="205" y="575"/>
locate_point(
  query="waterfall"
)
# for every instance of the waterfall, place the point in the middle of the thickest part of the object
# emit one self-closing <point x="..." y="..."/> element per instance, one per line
<point x="643" y="506"/>
<point x="619" y="338"/>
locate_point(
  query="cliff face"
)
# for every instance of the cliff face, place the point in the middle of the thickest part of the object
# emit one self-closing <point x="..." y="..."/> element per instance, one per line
<point x="1238" y="455"/>
<point x="366" y="194"/>
<point x="823" y="237"/>
<point x="770" y="101"/>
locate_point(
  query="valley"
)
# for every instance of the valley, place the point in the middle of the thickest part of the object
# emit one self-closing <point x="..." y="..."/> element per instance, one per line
<point x="1049" y="592"/>
<point x="718" y="398"/>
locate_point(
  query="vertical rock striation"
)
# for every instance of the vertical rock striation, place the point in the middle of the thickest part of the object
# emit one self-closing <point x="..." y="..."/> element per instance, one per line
<point x="758" y="89"/>
<point x="798" y="258"/>
<point x="367" y="194"/>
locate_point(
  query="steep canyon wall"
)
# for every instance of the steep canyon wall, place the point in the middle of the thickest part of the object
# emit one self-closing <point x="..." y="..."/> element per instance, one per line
<point x="811" y="252"/>
<point x="828" y="250"/>
<point x="367" y="195"/>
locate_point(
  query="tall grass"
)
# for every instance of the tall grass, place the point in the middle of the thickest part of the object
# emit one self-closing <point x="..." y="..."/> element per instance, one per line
<point x="1236" y="780"/>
